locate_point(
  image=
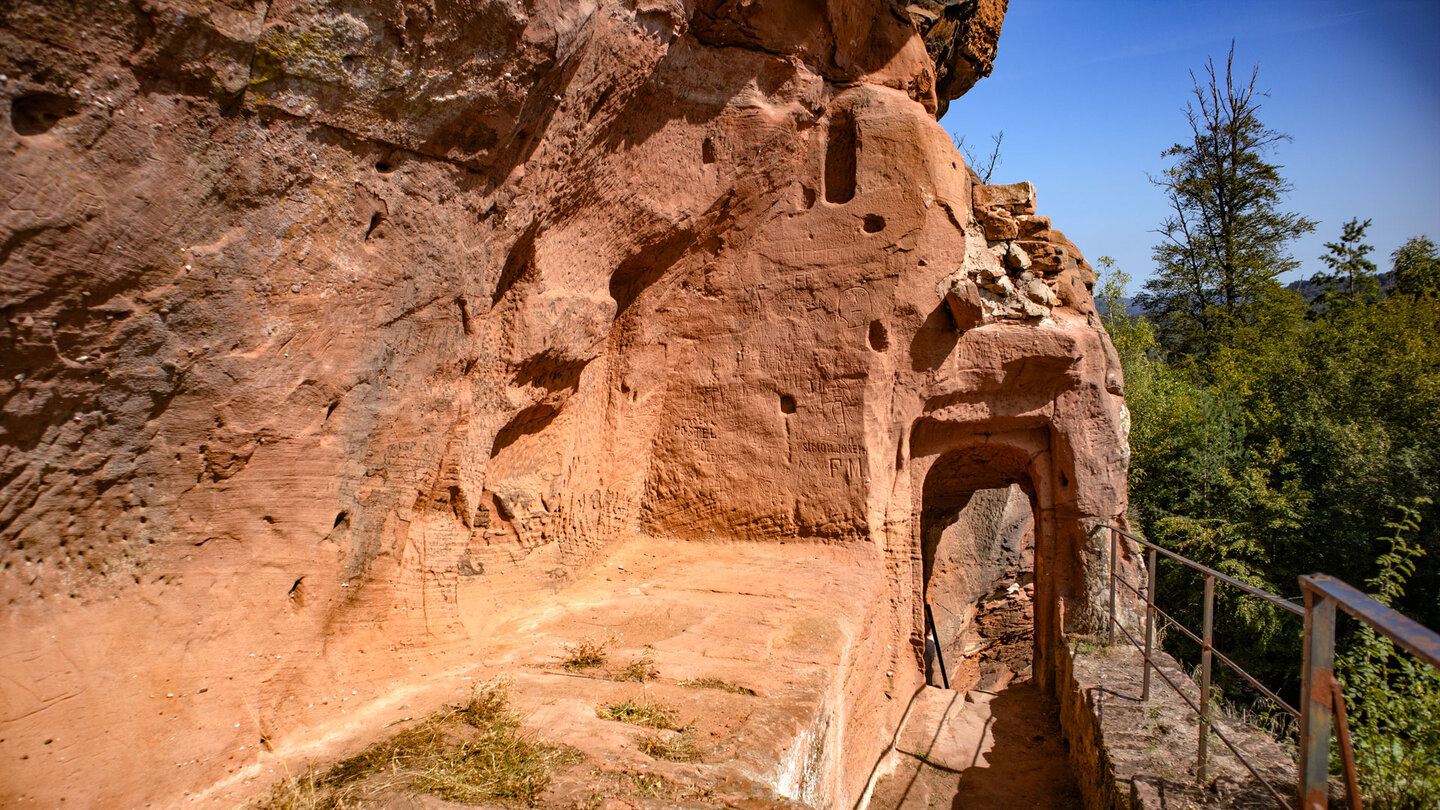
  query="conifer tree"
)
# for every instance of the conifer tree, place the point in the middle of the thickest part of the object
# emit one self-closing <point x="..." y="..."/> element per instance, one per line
<point x="1352" y="276"/>
<point x="1225" y="240"/>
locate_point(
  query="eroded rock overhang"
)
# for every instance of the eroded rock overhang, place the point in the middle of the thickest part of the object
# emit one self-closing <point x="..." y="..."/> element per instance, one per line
<point x="319" y="313"/>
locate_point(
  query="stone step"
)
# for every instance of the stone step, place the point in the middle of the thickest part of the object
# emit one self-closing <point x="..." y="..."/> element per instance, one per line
<point x="946" y="728"/>
<point x="978" y="751"/>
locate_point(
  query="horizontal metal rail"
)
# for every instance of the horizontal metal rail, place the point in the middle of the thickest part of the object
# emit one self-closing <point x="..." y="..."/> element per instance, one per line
<point x="1207" y="570"/>
<point x="1205" y="639"/>
<point x="1419" y="640"/>
<point x="1178" y="626"/>
<point x="1290" y="710"/>
<point x="1236" y="668"/>
<point x="1207" y="652"/>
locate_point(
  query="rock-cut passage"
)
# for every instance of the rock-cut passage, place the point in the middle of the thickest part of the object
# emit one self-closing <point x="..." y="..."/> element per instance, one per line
<point x="979" y="552"/>
<point x="992" y="739"/>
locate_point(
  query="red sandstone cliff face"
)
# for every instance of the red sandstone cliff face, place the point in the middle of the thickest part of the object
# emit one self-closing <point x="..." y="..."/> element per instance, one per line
<point x="315" y="312"/>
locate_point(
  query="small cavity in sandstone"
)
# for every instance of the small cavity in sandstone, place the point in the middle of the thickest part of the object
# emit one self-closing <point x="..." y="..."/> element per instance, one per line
<point x="879" y="339"/>
<point x="36" y="113"/>
<point x="840" y="159"/>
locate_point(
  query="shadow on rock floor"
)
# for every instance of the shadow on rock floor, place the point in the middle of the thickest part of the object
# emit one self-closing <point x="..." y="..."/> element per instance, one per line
<point x="979" y="750"/>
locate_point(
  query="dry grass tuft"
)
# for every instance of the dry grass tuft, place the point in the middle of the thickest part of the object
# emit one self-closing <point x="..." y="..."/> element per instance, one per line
<point x="610" y="784"/>
<point x="640" y="670"/>
<point x="589" y="653"/>
<point x="1095" y="645"/>
<point x="655" y="786"/>
<point x="673" y="748"/>
<point x="716" y="683"/>
<point x="300" y="793"/>
<point x="639" y="713"/>
<point x="469" y="753"/>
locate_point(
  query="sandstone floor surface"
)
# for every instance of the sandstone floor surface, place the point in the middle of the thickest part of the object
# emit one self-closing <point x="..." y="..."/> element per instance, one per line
<point x="978" y="751"/>
<point x="780" y="621"/>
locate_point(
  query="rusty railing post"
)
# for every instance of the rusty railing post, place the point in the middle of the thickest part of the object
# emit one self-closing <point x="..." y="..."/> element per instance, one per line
<point x="1315" y="697"/>
<point x="1206" y="645"/>
<point x="1347" y="751"/>
<point x="1149" y="626"/>
<point x="1114" y="546"/>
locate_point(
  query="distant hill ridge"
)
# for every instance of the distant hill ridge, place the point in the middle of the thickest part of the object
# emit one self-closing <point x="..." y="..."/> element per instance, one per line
<point x="1308" y="290"/>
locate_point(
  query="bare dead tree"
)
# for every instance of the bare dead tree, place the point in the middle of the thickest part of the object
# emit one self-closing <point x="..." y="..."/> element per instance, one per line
<point x="985" y="168"/>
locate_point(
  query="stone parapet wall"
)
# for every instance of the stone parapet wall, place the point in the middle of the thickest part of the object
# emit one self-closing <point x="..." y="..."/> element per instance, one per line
<point x="1132" y="755"/>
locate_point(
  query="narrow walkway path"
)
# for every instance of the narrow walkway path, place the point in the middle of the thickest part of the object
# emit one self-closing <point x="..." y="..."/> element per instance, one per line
<point x="978" y="751"/>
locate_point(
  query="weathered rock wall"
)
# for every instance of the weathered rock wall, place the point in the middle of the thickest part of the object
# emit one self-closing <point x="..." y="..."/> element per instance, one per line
<point x="317" y="312"/>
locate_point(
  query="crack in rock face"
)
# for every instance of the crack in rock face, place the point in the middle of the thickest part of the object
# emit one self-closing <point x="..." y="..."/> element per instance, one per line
<point x="323" y="318"/>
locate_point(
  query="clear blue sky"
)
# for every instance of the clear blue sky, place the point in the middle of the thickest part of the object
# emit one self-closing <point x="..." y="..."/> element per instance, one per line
<point x="1090" y="93"/>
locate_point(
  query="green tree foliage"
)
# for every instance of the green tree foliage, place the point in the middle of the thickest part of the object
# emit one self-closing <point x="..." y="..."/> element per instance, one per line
<point x="1287" y="458"/>
<point x="1395" y="700"/>
<point x="1133" y="336"/>
<point x="1268" y="445"/>
<point x="1352" y="276"/>
<point x="1417" y="268"/>
<point x="1225" y="240"/>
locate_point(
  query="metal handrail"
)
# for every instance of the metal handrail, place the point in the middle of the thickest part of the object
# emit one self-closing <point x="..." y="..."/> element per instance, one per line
<point x="1205" y="639"/>
<point x="1419" y="640"/>
<point x="1224" y="659"/>
<point x="1320" y="692"/>
<point x="1205" y="569"/>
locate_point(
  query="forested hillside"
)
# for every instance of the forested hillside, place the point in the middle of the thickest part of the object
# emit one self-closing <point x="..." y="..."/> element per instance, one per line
<point x="1274" y="436"/>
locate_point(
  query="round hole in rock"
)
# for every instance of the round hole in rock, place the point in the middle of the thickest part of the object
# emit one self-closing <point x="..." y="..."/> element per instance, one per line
<point x="874" y="223"/>
<point x="879" y="338"/>
<point x="787" y="403"/>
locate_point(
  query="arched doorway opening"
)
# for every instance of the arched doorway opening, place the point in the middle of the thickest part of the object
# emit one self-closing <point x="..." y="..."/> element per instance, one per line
<point x="978" y="529"/>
